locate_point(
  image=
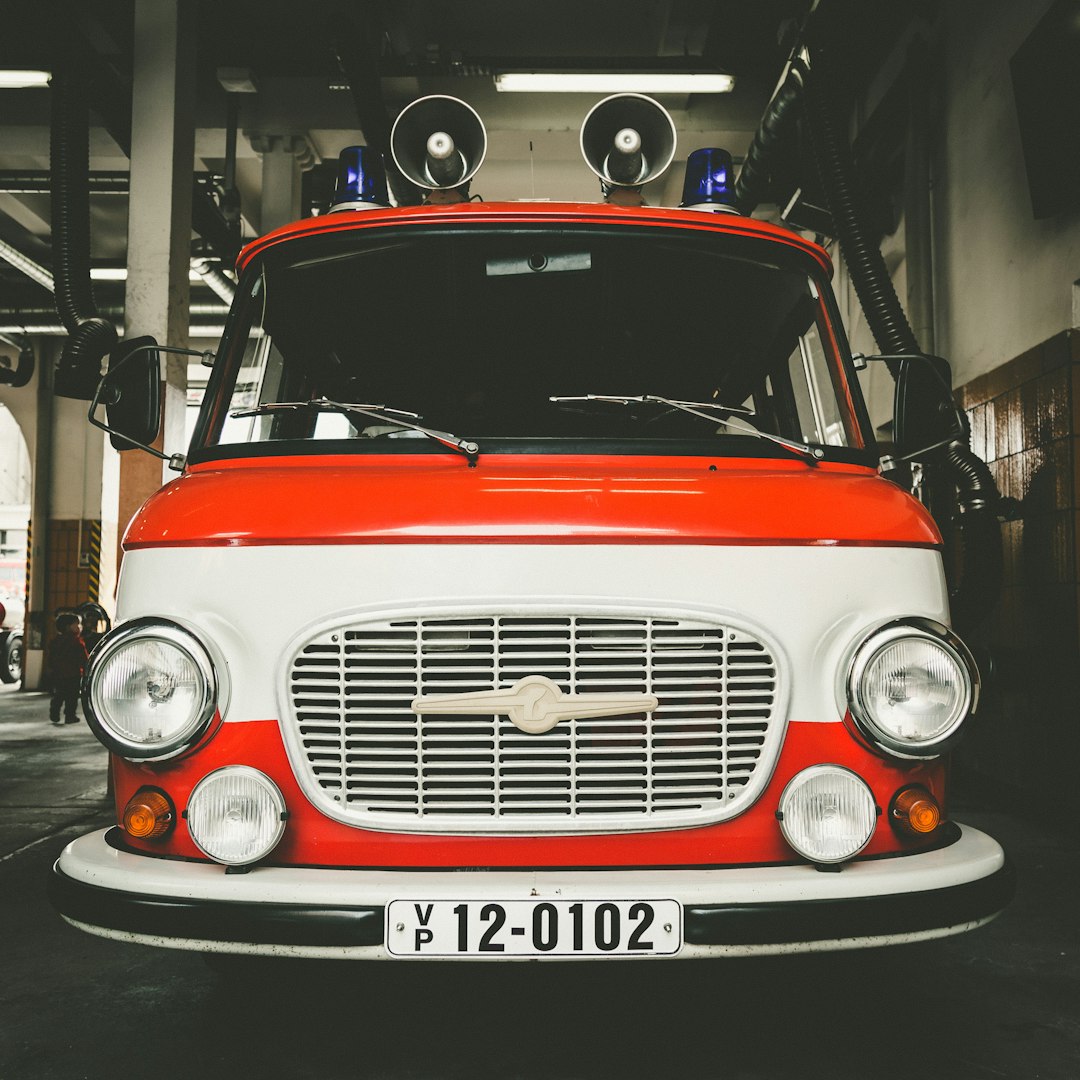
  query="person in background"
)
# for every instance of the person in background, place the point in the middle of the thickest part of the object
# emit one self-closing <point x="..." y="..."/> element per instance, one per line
<point x="95" y="623"/>
<point x="67" y="662"/>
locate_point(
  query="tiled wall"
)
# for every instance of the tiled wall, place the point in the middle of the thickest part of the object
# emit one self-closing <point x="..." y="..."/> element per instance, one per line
<point x="1025" y="422"/>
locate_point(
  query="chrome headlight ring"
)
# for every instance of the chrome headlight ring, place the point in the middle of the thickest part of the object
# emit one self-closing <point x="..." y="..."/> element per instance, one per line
<point x="954" y="652"/>
<point x="202" y="690"/>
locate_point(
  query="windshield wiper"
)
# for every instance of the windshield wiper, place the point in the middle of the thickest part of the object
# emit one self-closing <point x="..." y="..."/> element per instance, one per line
<point x="372" y="412"/>
<point x="721" y="414"/>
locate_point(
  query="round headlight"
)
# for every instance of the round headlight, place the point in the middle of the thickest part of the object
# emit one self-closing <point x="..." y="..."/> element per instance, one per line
<point x="151" y="691"/>
<point x="910" y="689"/>
<point x="236" y="815"/>
<point x="827" y="814"/>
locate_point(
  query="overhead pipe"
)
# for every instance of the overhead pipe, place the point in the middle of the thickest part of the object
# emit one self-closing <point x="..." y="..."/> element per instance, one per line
<point x="113" y="312"/>
<point x="39" y="182"/>
<point x="34" y="271"/>
<point x="57" y="329"/>
<point x="91" y="337"/>
<point x="209" y="269"/>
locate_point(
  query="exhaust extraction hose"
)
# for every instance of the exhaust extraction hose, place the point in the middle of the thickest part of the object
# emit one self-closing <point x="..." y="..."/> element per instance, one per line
<point x="779" y="121"/>
<point x="977" y="548"/>
<point x="91" y="336"/>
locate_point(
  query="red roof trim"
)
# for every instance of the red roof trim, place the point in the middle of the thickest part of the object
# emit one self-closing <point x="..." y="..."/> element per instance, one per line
<point x="533" y="213"/>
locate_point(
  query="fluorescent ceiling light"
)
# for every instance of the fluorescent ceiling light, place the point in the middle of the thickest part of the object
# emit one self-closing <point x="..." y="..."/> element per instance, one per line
<point x="11" y="79"/>
<point x="610" y="82"/>
<point x="119" y="273"/>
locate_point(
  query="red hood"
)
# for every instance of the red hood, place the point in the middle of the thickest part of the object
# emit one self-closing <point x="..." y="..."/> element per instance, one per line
<point x="541" y="499"/>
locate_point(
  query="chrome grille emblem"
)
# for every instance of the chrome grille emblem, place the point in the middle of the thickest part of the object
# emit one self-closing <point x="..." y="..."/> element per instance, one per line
<point x="535" y="704"/>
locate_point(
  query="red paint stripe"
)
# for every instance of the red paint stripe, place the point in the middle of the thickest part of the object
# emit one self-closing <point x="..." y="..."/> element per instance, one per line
<point x="631" y="541"/>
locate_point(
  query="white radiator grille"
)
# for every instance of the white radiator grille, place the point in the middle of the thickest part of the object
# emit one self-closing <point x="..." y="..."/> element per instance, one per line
<point x="365" y="757"/>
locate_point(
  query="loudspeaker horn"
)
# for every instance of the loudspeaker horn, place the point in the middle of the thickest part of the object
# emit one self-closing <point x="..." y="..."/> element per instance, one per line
<point x="628" y="139"/>
<point x="438" y="142"/>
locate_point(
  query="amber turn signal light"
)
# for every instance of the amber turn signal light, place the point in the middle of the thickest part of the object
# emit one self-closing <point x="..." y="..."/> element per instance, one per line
<point x="148" y="815"/>
<point x="915" y="811"/>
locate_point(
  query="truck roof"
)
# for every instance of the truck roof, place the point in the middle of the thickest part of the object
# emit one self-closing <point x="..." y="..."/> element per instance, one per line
<point x="534" y="213"/>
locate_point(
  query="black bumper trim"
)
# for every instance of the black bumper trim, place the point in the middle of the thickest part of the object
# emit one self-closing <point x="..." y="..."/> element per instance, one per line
<point x="215" y="920"/>
<point x="789" y="922"/>
<point x="858" y="917"/>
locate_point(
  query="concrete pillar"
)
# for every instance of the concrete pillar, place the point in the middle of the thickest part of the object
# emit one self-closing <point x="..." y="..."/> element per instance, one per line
<point x="159" y="229"/>
<point x="284" y="158"/>
<point x="38" y="625"/>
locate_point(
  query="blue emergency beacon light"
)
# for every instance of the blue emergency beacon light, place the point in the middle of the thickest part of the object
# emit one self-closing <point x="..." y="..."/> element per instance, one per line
<point x="709" y="183"/>
<point x="361" y="180"/>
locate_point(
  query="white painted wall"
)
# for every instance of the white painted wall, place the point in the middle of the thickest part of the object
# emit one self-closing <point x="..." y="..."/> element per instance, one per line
<point x="1004" y="279"/>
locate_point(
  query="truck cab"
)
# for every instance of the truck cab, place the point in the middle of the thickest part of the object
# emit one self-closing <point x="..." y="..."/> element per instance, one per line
<point x="605" y="636"/>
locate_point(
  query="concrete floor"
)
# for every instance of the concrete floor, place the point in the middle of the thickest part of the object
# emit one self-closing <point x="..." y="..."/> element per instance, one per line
<point x="1003" y="1001"/>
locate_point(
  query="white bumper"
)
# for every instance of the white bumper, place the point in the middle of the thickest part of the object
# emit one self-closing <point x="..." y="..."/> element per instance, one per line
<point x="341" y="913"/>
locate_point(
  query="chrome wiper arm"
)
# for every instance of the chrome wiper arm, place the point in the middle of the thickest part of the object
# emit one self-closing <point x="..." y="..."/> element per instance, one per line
<point x="374" y="412"/>
<point x="811" y="454"/>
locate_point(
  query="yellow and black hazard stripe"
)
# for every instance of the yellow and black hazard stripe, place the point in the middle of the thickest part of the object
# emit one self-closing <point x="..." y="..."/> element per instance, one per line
<point x="94" y="584"/>
<point x="29" y="549"/>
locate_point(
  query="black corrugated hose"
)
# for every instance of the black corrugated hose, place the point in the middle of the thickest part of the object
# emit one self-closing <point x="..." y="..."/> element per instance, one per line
<point x="977" y="531"/>
<point x="779" y="120"/>
<point x="91" y="336"/>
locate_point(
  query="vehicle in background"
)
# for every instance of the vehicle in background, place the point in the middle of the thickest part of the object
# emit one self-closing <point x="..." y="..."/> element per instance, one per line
<point x="12" y="614"/>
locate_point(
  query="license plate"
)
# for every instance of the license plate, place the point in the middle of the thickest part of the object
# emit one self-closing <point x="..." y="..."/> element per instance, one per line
<point x="540" y="928"/>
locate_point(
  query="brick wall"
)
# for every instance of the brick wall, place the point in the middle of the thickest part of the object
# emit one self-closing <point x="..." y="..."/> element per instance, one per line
<point x="1025" y="422"/>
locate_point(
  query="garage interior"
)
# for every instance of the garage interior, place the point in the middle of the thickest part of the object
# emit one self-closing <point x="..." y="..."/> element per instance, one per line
<point x="204" y="125"/>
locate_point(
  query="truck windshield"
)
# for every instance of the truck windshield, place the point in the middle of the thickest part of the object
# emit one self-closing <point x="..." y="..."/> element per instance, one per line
<point x="490" y="337"/>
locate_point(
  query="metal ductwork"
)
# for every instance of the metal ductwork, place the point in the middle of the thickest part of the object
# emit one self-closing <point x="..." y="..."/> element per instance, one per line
<point x="91" y="337"/>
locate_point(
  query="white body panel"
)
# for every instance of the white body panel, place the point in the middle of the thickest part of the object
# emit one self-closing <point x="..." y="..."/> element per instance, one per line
<point x="252" y="605"/>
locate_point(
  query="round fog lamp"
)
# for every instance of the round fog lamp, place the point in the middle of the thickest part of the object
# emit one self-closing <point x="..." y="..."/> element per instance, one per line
<point x="236" y="815"/>
<point x="827" y="814"/>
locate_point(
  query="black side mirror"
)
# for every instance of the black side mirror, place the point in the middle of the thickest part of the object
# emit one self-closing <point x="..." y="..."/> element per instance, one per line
<point x="925" y="416"/>
<point x="131" y="392"/>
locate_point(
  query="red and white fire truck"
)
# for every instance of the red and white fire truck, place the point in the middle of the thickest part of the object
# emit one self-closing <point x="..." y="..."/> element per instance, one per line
<point x="610" y="638"/>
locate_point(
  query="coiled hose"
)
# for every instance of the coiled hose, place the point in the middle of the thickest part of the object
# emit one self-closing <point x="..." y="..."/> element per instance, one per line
<point x="91" y="336"/>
